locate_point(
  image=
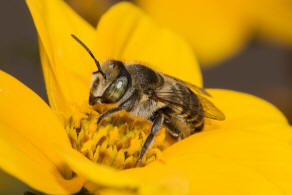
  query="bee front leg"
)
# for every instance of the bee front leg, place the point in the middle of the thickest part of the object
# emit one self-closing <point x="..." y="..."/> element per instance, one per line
<point x="111" y="111"/>
<point x="157" y="122"/>
<point x="126" y="105"/>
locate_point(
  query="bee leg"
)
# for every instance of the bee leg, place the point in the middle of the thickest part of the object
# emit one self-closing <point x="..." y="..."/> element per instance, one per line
<point x="126" y="105"/>
<point x="157" y="122"/>
<point x="111" y="111"/>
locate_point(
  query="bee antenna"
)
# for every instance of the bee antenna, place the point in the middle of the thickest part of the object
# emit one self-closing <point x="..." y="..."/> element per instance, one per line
<point x="91" y="54"/>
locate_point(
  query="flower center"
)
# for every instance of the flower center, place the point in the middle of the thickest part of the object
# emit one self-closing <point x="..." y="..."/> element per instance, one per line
<point x="116" y="141"/>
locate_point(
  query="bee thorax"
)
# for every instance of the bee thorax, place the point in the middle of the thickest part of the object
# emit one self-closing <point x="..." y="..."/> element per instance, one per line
<point x="146" y="107"/>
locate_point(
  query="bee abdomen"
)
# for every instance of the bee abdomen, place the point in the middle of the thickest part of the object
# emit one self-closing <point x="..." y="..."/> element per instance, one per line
<point x="196" y="119"/>
<point x="198" y="126"/>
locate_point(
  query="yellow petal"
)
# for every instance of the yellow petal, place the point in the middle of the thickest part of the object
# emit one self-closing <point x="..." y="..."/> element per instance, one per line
<point x="91" y="10"/>
<point x="102" y="179"/>
<point x="243" y="109"/>
<point x="126" y="33"/>
<point x="29" y="133"/>
<point x="216" y="29"/>
<point x="249" y="153"/>
<point x="22" y="159"/>
<point x="273" y="18"/>
<point x="67" y="67"/>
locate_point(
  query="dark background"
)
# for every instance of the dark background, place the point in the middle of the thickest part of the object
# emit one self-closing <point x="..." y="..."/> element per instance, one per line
<point x="263" y="69"/>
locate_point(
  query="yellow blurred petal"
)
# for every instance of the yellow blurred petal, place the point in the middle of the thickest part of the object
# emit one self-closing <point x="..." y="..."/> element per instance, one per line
<point x="216" y="29"/>
<point x="238" y="156"/>
<point x="105" y="179"/>
<point x="91" y="10"/>
<point x="273" y="19"/>
<point x="66" y="65"/>
<point x="126" y="33"/>
<point x="29" y="133"/>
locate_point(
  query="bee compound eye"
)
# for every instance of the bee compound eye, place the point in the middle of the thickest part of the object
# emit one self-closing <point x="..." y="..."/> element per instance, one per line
<point x="115" y="91"/>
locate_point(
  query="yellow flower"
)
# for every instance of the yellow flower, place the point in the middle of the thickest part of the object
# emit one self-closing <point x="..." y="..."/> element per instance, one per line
<point x="91" y="10"/>
<point x="219" y="29"/>
<point x="249" y="153"/>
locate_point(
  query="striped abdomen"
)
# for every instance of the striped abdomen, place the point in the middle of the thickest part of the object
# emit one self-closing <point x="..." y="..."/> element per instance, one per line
<point x="194" y="116"/>
<point x="186" y="106"/>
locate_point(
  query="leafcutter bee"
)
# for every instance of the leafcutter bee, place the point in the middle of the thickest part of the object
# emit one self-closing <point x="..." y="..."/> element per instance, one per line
<point x="163" y="100"/>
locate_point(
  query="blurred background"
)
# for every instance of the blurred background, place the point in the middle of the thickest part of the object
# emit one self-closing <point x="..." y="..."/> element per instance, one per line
<point x="249" y="49"/>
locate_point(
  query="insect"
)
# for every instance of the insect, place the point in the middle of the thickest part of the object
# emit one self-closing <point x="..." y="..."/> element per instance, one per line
<point x="163" y="100"/>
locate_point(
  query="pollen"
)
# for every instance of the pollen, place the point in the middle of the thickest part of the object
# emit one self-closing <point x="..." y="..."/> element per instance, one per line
<point x="116" y="141"/>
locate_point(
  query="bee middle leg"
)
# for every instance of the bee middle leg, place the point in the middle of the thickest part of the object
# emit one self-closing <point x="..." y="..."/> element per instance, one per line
<point x="157" y="120"/>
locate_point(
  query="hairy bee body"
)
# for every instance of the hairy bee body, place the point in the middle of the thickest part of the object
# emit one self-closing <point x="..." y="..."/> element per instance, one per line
<point x="180" y="121"/>
<point x="164" y="100"/>
<point x="149" y="94"/>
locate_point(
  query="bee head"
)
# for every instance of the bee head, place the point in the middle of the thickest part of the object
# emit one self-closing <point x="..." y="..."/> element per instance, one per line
<point x="111" y="87"/>
<point x="109" y="82"/>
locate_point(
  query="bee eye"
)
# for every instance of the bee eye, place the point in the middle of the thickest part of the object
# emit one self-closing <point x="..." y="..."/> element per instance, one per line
<point x="115" y="91"/>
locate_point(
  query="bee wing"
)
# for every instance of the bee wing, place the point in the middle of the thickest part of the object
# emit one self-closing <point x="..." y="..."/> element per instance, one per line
<point x="210" y="110"/>
<point x="172" y="98"/>
<point x="195" y="88"/>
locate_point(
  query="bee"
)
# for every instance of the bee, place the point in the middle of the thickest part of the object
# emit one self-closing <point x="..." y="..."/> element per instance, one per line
<point x="166" y="101"/>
